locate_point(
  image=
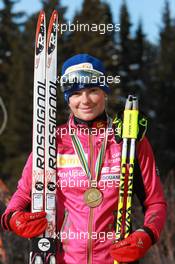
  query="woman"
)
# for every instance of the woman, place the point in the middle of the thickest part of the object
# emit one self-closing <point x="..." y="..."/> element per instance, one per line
<point x="88" y="171"/>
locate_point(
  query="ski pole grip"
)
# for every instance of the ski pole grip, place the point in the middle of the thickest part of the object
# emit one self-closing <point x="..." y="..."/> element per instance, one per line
<point x="130" y="124"/>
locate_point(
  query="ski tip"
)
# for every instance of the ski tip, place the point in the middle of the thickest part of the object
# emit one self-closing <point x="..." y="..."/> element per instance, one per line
<point x="40" y="36"/>
<point x="53" y="26"/>
<point x="54" y="17"/>
<point x="41" y="21"/>
<point x="53" y="20"/>
<point x="55" y="13"/>
<point x="41" y="16"/>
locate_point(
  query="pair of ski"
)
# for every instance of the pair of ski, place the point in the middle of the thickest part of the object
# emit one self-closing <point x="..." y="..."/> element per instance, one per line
<point x="43" y="249"/>
<point x="129" y="135"/>
<point x="43" y="196"/>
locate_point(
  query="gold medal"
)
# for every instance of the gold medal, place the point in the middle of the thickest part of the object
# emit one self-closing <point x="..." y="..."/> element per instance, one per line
<point x="93" y="197"/>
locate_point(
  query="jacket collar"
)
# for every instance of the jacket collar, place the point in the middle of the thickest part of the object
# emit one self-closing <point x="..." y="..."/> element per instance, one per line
<point x="98" y="122"/>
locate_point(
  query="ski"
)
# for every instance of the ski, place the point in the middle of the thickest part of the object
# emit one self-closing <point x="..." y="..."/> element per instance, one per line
<point x="50" y="136"/>
<point x="39" y="90"/>
<point x="129" y="135"/>
<point x="43" y="197"/>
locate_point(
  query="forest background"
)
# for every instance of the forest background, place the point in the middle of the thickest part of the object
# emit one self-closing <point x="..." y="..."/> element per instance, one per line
<point x="145" y="69"/>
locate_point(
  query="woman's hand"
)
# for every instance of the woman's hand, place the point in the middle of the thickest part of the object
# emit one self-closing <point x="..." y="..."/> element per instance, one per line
<point x="27" y="224"/>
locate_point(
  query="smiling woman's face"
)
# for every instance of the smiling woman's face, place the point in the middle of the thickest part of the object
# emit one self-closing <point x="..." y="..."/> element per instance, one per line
<point x="88" y="103"/>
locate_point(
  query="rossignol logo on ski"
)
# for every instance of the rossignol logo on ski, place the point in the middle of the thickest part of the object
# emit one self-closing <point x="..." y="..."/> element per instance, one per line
<point x="44" y="244"/>
<point x="51" y="186"/>
<point x="40" y="124"/>
<point x="39" y="186"/>
<point x="52" y="39"/>
<point x="52" y="125"/>
<point x="40" y="38"/>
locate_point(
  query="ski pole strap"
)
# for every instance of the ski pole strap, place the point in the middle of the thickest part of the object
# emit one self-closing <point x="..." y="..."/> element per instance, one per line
<point x="118" y="125"/>
<point x="130" y="124"/>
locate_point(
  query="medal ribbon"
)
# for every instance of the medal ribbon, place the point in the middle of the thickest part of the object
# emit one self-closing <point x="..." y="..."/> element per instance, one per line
<point x="81" y="154"/>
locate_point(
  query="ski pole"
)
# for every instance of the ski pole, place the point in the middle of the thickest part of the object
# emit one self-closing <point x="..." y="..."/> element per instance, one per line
<point x="129" y="135"/>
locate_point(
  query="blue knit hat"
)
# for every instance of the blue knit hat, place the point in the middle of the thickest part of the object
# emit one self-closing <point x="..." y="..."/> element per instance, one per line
<point x="82" y="65"/>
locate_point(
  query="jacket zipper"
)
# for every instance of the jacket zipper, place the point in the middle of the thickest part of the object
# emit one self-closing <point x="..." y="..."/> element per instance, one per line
<point x="62" y="228"/>
<point x="91" y="209"/>
<point x="90" y="235"/>
<point x="64" y="221"/>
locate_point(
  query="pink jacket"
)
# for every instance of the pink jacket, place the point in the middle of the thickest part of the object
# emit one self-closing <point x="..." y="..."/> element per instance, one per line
<point x="87" y="233"/>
